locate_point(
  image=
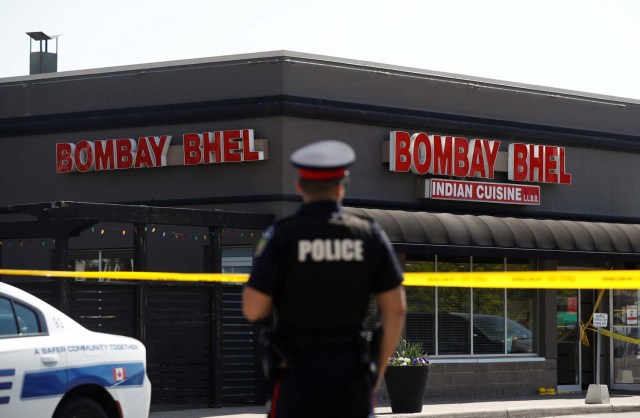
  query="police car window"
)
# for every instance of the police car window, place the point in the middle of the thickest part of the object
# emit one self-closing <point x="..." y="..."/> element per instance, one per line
<point x="27" y="319"/>
<point x="7" y="320"/>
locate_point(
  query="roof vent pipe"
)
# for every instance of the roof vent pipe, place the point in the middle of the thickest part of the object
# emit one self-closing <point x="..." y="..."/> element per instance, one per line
<point x="42" y="61"/>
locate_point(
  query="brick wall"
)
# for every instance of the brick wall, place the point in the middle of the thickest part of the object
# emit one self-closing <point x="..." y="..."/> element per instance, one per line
<point x="484" y="380"/>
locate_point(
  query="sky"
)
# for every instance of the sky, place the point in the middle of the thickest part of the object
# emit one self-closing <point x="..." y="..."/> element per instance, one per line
<point x="590" y="46"/>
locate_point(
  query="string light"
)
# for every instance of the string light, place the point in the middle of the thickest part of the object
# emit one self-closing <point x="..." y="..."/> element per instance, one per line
<point x="180" y="236"/>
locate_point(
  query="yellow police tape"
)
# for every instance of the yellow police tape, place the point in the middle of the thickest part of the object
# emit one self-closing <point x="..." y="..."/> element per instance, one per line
<point x="617" y="336"/>
<point x="133" y="275"/>
<point x="565" y="279"/>
<point x="568" y="279"/>
<point x="588" y="326"/>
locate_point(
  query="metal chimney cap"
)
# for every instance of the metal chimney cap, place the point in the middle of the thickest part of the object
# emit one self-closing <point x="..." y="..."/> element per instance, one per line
<point x="38" y="36"/>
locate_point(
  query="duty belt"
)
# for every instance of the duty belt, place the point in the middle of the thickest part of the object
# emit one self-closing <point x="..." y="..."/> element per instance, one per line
<point x="300" y="341"/>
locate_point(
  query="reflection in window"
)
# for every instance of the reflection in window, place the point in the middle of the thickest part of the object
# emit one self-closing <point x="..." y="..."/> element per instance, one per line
<point x="454" y="330"/>
<point x="101" y="260"/>
<point x="27" y="319"/>
<point x="488" y="322"/>
<point x="625" y="322"/>
<point x="7" y="319"/>
<point x="520" y="314"/>
<point x="237" y="259"/>
<point x="470" y="321"/>
<point x="420" y="326"/>
<point x="17" y="319"/>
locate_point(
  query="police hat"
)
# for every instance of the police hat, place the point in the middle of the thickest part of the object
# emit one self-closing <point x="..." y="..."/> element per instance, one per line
<point x="323" y="160"/>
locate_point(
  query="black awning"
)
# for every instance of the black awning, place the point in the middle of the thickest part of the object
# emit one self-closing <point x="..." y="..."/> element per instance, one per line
<point x="446" y="233"/>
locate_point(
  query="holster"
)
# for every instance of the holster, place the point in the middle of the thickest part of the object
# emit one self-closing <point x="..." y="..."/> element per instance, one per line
<point x="372" y="352"/>
<point x="274" y="356"/>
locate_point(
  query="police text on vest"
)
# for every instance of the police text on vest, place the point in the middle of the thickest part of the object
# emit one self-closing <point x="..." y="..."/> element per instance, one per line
<point x="331" y="250"/>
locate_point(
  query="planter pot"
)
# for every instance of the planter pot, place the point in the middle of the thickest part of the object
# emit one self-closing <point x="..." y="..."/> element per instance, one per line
<point x="406" y="386"/>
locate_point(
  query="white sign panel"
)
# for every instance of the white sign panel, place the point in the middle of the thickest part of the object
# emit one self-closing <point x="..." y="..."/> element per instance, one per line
<point x="632" y="314"/>
<point x="600" y="320"/>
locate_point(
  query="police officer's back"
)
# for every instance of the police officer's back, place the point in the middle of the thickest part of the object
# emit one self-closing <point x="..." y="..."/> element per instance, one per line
<point x="317" y="270"/>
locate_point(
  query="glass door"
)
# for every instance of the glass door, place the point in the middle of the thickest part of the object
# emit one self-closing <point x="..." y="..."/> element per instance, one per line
<point x="568" y="335"/>
<point x="624" y="321"/>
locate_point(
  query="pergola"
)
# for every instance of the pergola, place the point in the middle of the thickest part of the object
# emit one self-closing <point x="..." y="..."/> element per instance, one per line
<point x="63" y="219"/>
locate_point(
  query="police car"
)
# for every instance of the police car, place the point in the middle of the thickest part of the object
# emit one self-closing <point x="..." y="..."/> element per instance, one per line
<point x="51" y="366"/>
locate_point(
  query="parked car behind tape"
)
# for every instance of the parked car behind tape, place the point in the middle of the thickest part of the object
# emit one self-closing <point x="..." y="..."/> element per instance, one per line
<point x="51" y="366"/>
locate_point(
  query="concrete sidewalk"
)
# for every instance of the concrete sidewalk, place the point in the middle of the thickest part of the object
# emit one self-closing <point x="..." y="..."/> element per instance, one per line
<point x="521" y="407"/>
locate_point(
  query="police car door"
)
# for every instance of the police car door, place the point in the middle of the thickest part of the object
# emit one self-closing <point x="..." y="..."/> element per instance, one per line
<point x="27" y="351"/>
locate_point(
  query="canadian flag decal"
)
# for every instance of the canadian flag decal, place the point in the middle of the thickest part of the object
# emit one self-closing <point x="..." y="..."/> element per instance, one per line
<point x="119" y="374"/>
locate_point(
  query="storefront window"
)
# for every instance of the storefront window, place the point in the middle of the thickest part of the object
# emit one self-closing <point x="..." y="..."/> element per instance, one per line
<point x="470" y="321"/>
<point x="237" y="259"/>
<point x="234" y="260"/>
<point x="101" y="260"/>
<point x="488" y="322"/>
<point x="520" y="311"/>
<point x="520" y="315"/>
<point x="454" y="307"/>
<point x="421" y="304"/>
<point x="625" y="322"/>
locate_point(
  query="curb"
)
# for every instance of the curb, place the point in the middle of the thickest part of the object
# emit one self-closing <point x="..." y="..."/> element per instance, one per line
<point x="523" y="412"/>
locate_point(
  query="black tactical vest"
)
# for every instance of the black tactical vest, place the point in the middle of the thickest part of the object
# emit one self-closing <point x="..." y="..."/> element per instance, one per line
<point x="330" y="266"/>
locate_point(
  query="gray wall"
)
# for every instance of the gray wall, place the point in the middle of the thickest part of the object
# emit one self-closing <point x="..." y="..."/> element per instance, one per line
<point x="604" y="182"/>
<point x="313" y="98"/>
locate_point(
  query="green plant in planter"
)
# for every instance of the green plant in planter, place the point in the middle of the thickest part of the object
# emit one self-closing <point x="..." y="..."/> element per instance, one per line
<point x="406" y="377"/>
<point x="409" y="354"/>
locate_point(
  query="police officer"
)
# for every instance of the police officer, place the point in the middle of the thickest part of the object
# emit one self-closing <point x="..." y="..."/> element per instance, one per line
<point x="315" y="272"/>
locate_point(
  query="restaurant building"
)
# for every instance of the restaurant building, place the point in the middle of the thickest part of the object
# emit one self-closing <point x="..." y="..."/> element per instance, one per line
<point x="180" y="166"/>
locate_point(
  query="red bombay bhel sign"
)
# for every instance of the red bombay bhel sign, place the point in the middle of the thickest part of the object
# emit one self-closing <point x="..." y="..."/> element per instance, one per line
<point x="151" y="151"/>
<point x="454" y="156"/>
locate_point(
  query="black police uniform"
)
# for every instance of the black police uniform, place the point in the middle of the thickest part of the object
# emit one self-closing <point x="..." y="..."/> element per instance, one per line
<point x="321" y="266"/>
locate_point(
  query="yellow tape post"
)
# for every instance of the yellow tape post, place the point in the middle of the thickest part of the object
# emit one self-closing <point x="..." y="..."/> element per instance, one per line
<point x="591" y="279"/>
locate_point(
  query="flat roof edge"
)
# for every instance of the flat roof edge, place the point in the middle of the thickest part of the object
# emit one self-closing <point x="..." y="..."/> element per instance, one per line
<point x="310" y="57"/>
